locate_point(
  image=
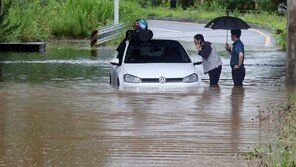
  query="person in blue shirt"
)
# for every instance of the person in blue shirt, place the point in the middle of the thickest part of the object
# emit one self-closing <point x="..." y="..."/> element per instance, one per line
<point x="237" y="58"/>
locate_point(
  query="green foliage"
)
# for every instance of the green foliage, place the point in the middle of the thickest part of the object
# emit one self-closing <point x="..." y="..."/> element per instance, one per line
<point x="46" y="19"/>
<point x="281" y="151"/>
<point x="238" y="4"/>
<point x="211" y="6"/>
<point x="282" y="36"/>
<point x="146" y="3"/>
<point x="241" y="5"/>
<point x="6" y="28"/>
<point x="33" y="20"/>
<point x="78" y="18"/>
<point x="285" y="155"/>
<point x="268" y="5"/>
<point x="156" y="2"/>
<point x="186" y="3"/>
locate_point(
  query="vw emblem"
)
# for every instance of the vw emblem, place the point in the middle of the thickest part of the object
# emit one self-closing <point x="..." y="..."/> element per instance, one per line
<point x="162" y="80"/>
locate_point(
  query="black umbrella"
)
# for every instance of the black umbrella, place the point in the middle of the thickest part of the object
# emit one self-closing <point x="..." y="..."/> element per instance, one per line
<point x="227" y="23"/>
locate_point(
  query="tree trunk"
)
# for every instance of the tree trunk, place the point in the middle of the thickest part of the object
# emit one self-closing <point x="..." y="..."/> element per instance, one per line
<point x="291" y="43"/>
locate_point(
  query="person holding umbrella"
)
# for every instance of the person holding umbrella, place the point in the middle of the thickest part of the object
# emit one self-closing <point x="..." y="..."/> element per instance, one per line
<point x="237" y="51"/>
<point x="212" y="63"/>
<point x="237" y="58"/>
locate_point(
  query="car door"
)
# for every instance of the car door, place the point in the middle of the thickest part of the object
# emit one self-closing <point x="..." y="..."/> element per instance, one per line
<point x="116" y="65"/>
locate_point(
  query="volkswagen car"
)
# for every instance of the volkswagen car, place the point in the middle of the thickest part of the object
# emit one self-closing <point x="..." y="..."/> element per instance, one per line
<point x="155" y="63"/>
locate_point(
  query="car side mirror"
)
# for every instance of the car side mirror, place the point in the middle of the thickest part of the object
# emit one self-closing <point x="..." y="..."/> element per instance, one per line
<point x="197" y="63"/>
<point x="115" y="62"/>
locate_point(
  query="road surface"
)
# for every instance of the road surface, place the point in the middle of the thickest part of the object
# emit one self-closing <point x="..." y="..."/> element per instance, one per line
<point x="185" y="31"/>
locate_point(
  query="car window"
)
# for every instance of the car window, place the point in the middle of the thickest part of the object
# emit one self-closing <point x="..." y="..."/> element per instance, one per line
<point x="157" y="52"/>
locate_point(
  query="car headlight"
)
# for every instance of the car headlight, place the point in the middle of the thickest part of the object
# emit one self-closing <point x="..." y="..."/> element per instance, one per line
<point x="190" y="78"/>
<point x="131" y="79"/>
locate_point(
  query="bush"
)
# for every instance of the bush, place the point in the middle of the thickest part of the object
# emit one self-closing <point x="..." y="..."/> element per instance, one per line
<point x="146" y="3"/>
<point x="156" y="2"/>
<point x="6" y="28"/>
<point x="238" y="4"/>
<point x="186" y="3"/>
<point x="282" y="36"/>
<point x="210" y="6"/>
<point x="268" y="5"/>
<point x="44" y="19"/>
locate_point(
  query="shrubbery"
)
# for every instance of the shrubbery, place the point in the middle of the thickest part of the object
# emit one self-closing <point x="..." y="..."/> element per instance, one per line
<point x="45" y="19"/>
<point x="243" y="5"/>
<point x="6" y="28"/>
<point x="186" y="3"/>
<point x="239" y="4"/>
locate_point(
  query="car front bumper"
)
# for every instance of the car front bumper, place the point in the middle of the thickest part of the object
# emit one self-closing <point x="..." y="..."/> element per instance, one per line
<point x="159" y="87"/>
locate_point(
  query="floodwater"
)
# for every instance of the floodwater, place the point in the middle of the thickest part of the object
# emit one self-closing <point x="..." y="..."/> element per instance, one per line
<point x="58" y="109"/>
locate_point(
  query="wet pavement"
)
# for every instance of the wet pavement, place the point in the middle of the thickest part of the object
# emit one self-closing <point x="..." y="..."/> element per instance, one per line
<point x="58" y="109"/>
<point x="185" y="31"/>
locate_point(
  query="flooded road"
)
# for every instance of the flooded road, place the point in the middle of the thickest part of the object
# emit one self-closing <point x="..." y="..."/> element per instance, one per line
<point x="58" y="109"/>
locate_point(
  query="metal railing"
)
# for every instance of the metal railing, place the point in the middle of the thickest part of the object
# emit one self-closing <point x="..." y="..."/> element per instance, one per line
<point x="106" y="34"/>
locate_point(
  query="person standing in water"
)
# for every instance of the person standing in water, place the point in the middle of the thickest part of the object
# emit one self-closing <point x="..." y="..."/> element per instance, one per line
<point x="237" y="53"/>
<point x="212" y="63"/>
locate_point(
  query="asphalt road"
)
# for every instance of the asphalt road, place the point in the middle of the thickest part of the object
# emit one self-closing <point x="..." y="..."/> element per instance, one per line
<point x="184" y="31"/>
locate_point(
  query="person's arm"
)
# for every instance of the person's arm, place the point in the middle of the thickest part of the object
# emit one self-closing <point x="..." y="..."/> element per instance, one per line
<point x="205" y="50"/>
<point x="240" y="58"/>
<point x="240" y="55"/>
<point x="228" y="48"/>
<point x="121" y="46"/>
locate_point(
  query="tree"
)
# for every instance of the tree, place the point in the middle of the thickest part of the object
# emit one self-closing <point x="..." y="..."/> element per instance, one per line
<point x="291" y="42"/>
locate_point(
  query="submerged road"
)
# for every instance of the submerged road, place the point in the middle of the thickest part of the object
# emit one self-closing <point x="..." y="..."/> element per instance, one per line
<point x="58" y="109"/>
<point x="185" y="31"/>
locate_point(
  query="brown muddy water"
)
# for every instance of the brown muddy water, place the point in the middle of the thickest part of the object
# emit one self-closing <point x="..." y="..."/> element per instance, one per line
<point x="58" y="109"/>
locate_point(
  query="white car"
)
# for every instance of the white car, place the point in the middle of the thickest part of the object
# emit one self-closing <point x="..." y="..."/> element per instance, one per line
<point x="156" y="63"/>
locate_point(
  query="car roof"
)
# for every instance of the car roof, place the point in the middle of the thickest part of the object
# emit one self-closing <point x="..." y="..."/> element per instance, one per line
<point x="159" y="42"/>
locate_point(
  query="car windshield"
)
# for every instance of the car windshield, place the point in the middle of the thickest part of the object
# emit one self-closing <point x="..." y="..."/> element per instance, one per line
<point x="156" y="51"/>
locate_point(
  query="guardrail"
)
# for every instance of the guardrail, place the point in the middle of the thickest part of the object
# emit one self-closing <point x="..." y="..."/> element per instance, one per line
<point x="106" y="34"/>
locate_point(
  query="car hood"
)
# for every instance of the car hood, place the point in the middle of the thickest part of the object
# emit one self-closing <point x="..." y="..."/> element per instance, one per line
<point x="156" y="70"/>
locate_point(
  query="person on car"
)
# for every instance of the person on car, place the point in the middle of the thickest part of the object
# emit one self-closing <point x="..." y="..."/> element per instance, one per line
<point x="237" y="58"/>
<point x="212" y="63"/>
<point x="139" y="33"/>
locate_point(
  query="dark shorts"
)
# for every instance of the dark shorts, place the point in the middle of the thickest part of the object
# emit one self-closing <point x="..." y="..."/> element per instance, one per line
<point x="238" y="76"/>
<point x="214" y="75"/>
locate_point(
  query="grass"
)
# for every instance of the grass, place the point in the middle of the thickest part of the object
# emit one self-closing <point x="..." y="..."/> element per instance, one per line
<point x="285" y="147"/>
<point x="281" y="151"/>
<point x="6" y="28"/>
<point x="48" y="19"/>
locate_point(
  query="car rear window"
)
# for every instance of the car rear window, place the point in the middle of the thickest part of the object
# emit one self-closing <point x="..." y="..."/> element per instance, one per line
<point x="156" y="52"/>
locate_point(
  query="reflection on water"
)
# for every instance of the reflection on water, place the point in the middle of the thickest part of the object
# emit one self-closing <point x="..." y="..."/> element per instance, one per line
<point x="237" y="102"/>
<point x="58" y="109"/>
